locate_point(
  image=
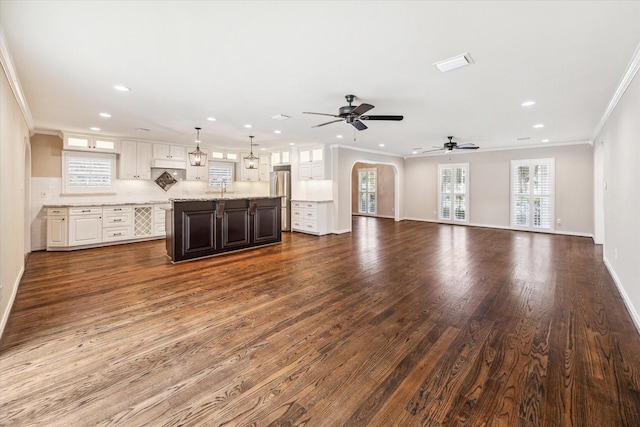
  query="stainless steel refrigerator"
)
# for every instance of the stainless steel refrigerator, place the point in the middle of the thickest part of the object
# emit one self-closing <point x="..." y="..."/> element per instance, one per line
<point x="281" y="186"/>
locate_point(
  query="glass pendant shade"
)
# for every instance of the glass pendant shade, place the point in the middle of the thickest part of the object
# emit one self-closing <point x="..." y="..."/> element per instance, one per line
<point x="251" y="161"/>
<point x="198" y="157"/>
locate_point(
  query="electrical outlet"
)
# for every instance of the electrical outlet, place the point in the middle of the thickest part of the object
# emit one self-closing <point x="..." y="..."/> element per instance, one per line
<point x="43" y="194"/>
<point x="559" y="221"/>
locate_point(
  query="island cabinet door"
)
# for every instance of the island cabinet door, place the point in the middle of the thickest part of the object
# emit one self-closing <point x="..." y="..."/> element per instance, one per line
<point x="193" y="231"/>
<point x="235" y="227"/>
<point x="266" y="224"/>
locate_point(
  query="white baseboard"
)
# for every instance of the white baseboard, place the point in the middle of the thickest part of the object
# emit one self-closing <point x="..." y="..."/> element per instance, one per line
<point x="346" y="230"/>
<point x="627" y="301"/>
<point x="12" y="298"/>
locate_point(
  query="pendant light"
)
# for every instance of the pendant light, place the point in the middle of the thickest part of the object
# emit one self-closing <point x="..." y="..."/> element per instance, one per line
<point x="251" y="161"/>
<point x="198" y="157"/>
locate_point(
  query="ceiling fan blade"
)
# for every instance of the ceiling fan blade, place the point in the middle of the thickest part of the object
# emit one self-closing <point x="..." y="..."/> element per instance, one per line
<point x="467" y="144"/>
<point x="396" y="118"/>
<point x="467" y="148"/>
<point x="436" y="149"/>
<point x="328" y="123"/>
<point x="320" y="114"/>
<point x="361" y="109"/>
<point x="358" y="125"/>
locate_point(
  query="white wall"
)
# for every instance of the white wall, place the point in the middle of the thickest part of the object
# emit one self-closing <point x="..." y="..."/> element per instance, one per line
<point x="14" y="134"/>
<point x="489" y="186"/>
<point x="620" y="139"/>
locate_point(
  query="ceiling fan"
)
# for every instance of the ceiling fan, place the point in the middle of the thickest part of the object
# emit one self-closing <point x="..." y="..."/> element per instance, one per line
<point x="451" y="145"/>
<point x="354" y="114"/>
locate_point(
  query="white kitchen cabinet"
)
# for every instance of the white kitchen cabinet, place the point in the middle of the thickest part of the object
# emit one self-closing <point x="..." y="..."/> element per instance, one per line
<point x="57" y="227"/>
<point x="312" y="164"/>
<point x="135" y="160"/>
<point x="85" y="225"/>
<point x="170" y="152"/>
<point x="117" y="223"/>
<point x="311" y="217"/>
<point x="261" y="173"/>
<point x="159" y="215"/>
<point x="95" y="144"/>
<point x="282" y="157"/>
<point x="198" y="173"/>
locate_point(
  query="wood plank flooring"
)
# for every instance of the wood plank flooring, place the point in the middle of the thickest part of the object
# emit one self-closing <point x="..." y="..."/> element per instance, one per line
<point x="394" y="324"/>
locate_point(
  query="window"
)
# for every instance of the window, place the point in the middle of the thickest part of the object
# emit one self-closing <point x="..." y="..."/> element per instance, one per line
<point x="532" y="194"/>
<point x="367" y="184"/>
<point x="453" y="192"/>
<point x="87" y="173"/>
<point x="220" y="172"/>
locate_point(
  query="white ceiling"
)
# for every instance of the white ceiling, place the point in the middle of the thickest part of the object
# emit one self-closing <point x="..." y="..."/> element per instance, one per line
<point x="244" y="62"/>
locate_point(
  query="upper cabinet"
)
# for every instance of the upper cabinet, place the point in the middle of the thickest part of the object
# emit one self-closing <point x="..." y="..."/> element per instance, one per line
<point x="281" y="157"/>
<point x="198" y="173"/>
<point x="230" y="156"/>
<point x="261" y="173"/>
<point x="135" y="160"/>
<point x="170" y="152"/>
<point x="313" y="163"/>
<point x="97" y="144"/>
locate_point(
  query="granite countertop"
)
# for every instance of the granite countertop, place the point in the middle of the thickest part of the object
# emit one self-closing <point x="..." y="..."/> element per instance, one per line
<point x="114" y="203"/>
<point x="214" y="199"/>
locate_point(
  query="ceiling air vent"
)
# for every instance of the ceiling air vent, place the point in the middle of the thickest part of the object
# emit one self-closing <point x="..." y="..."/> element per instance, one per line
<point x="453" y="63"/>
<point x="523" y="138"/>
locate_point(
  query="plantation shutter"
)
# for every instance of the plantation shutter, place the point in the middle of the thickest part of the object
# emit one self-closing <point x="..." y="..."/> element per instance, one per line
<point x="532" y="194"/>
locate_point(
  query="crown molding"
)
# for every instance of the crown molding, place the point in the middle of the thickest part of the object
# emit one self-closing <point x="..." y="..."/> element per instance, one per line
<point x="630" y="73"/>
<point x="14" y="82"/>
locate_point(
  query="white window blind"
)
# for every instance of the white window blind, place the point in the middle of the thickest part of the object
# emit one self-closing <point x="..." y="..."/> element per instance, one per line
<point x="453" y="192"/>
<point x="87" y="172"/>
<point x="367" y="191"/>
<point x="532" y="194"/>
<point x="219" y="172"/>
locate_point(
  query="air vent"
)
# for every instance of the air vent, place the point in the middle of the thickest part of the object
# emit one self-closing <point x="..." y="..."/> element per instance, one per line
<point x="524" y="138"/>
<point x="453" y="63"/>
<point x="280" y="117"/>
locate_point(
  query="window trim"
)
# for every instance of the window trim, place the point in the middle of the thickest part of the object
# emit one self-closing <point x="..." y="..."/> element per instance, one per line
<point x="512" y="195"/>
<point x="453" y="193"/>
<point x="221" y="164"/>
<point x="87" y="190"/>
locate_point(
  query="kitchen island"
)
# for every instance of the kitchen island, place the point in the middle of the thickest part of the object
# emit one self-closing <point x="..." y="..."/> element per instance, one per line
<point x="199" y="228"/>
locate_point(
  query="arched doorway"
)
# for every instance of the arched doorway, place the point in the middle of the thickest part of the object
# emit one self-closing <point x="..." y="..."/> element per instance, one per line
<point x="385" y="197"/>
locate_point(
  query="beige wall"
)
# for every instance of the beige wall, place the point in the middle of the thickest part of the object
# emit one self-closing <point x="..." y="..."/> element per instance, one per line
<point x="46" y="155"/>
<point x="385" y="192"/>
<point x="620" y="141"/>
<point x="489" y="186"/>
<point x="14" y="142"/>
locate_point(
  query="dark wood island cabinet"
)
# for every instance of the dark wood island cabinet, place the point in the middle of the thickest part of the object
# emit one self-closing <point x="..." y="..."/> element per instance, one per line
<point x="199" y="228"/>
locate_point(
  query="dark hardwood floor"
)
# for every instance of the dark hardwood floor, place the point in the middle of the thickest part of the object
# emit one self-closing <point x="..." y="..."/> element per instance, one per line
<point x="395" y="324"/>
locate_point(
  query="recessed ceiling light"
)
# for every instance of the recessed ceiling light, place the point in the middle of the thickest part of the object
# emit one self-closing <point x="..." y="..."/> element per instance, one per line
<point x="277" y="131"/>
<point x="280" y="117"/>
<point x="545" y="140"/>
<point x="105" y="115"/>
<point x="380" y="145"/>
<point x="338" y="136"/>
<point x="414" y="152"/>
<point x="538" y="126"/>
<point x="122" y="88"/>
<point x="263" y="149"/>
<point x="292" y="143"/>
<point x="95" y="128"/>
<point x="453" y="63"/>
<point x="528" y="103"/>
<point x="211" y="119"/>
<point x="248" y="126"/>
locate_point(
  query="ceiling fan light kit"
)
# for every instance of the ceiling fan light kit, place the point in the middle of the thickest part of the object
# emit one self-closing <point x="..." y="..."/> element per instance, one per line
<point x="354" y="114"/>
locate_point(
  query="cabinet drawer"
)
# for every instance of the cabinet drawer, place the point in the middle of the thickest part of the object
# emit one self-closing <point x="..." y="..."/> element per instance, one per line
<point x="310" y="226"/>
<point x="117" y="219"/>
<point x="297" y="205"/>
<point x="116" y="233"/>
<point x="117" y="209"/>
<point x="297" y="224"/>
<point x="310" y="205"/>
<point x="310" y="214"/>
<point x="56" y="211"/>
<point x="85" y="210"/>
<point x="297" y="213"/>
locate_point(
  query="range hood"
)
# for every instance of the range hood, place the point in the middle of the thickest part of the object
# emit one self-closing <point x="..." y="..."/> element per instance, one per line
<point x="168" y="164"/>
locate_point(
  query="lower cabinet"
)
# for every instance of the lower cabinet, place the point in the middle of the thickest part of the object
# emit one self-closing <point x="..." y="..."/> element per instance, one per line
<point x="78" y="227"/>
<point x="85" y="226"/>
<point x="200" y="228"/>
<point x="311" y="217"/>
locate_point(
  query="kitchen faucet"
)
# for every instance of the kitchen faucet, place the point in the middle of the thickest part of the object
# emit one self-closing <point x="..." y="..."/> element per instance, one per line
<point x="223" y="187"/>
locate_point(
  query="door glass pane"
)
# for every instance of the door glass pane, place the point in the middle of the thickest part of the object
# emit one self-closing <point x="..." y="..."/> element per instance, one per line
<point x="445" y="181"/>
<point x="460" y="208"/>
<point x="445" y="206"/>
<point x="372" y="203"/>
<point x="541" y="180"/>
<point x="521" y="180"/>
<point x="362" y="206"/>
<point x="542" y="212"/>
<point x="521" y="211"/>
<point x="461" y="180"/>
